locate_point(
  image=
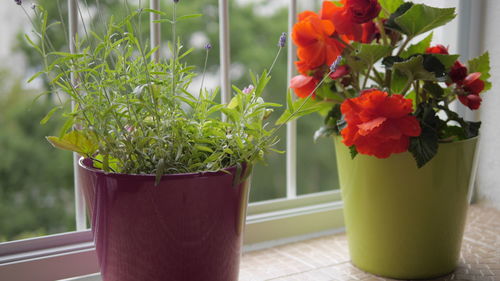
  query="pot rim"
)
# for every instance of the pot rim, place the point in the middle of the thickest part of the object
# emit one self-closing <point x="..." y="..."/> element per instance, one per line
<point x="229" y="171"/>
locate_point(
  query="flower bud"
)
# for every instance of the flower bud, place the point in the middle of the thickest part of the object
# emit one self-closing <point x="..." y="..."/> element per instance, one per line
<point x="282" y="41"/>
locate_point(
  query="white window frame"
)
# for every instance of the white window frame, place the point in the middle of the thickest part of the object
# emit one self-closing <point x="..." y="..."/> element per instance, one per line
<point x="269" y="223"/>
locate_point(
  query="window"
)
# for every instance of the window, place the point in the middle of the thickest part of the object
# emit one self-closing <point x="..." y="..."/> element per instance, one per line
<point x="291" y="199"/>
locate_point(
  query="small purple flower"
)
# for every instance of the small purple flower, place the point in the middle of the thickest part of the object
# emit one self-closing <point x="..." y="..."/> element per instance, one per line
<point x="282" y="41"/>
<point x="335" y="64"/>
<point x="208" y="46"/>
<point x="248" y="89"/>
<point x="33" y="6"/>
<point x="18" y="2"/>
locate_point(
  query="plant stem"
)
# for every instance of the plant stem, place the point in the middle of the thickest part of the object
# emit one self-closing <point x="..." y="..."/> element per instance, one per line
<point x="367" y="75"/>
<point x="407" y="86"/>
<point x="388" y="78"/>
<point x="381" y="28"/>
<point x="401" y="49"/>
<point x="274" y="62"/>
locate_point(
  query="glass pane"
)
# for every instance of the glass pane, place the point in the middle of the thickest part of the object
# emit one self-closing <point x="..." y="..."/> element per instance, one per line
<point x="36" y="180"/>
<point x="316" y="163"/>
<point x="255" y="30"/>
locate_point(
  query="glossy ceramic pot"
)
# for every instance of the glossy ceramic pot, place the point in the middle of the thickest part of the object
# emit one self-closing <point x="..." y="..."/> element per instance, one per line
<point x="403" y="222"/>
<point x="188" y="228"/>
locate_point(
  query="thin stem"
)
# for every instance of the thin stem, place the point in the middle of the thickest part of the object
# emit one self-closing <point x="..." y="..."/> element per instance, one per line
<point x="274" y="62"/>
<point x="381" y="28"/>
<point x="388" y="80"/>
<point x="401" y="49"/>
<point x="367" y="75"/>
<point x="204" y="71"/>
<point x="407" y="86"/>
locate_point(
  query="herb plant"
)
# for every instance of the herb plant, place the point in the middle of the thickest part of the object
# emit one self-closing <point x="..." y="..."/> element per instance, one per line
<point x="135" y="115"/>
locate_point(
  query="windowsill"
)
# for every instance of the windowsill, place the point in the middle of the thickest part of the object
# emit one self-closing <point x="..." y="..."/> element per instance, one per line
<point x="327" y="258"/>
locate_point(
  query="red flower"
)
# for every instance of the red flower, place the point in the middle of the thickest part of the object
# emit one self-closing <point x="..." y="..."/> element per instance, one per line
<point x="315" y="46"/>
<point x="458" y="72"/>
<point x="341" y="71"/>
<point x="471" y="101"/>
<point x="472" y="84"/>
<point x="370" y="32"/>
<point x="361" y="11"/>
<point x="303" y="86"/>
<point x="379" y="124"/>
<point x="438" y="49"/>
<point x="342" y="20"/>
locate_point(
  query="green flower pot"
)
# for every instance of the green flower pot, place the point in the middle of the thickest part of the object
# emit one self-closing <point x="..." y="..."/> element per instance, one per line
<point x="404" y="222"/>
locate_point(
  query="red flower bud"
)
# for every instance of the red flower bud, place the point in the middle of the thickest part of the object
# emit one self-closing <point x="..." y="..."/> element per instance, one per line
<point x="438" y="49"/>
<point x="303" y="86"/>
<point x="472" y="84"/>
<point x="341" y="71"/>
<point x="458" y="72"/>
<point x="471" y="101"/>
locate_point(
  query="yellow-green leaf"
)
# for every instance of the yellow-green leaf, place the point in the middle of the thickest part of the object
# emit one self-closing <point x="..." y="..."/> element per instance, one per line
<point x="80" y="142"/>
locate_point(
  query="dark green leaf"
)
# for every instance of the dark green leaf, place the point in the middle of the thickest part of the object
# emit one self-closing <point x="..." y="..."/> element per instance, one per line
<point x="418" y="48"/>
<point x="420" y="18"/>
<point x="365" y="55"/>
<point x="434" y="89"/>
<point x="353" y="151"/>
<point x="399" y="11"/>
<point x="482" y="64"/>
<point x="424" y="147"/>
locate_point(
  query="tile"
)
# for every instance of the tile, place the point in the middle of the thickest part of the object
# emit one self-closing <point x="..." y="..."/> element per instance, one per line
<point x="327" y="258"/>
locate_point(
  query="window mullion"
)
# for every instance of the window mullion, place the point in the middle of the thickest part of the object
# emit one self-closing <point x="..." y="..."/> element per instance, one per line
<point x="291" y="129"/>
<point x="155" y="29"/>
<point x="80" y="215"/>
<point x="225" y="53"/>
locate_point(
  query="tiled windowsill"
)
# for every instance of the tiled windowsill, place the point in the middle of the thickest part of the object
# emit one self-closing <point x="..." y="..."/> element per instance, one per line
<point x="327" y="258"/>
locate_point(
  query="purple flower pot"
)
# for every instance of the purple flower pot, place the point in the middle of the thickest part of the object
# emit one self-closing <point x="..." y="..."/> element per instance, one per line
<point x="189" y="227"/>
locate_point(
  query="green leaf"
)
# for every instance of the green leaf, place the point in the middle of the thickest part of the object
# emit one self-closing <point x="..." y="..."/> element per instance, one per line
<point x="413" y="68"/>
<point x="482" y="64"/>
<point x="353" y="151"/>
<point x="204" y="148"/>
<point x="192" y="16"/>
<point x="446" y="60"/>
<point x="418" y="48"/>
<point x="390" y="5"/>
<point x="327" y="91"/>
<point x="399" y="11"/>
<point x="434" y="89"/>
<point x="303" y="107"/>
<point x="424" y="147"/>
<point x="81" y="142"/>
<point x="155" y="12"/>
<point x="324" y="132"/>
<point x="365" y="55"/>
<point x="420" y="18"/>
<point x="49" y="115"/>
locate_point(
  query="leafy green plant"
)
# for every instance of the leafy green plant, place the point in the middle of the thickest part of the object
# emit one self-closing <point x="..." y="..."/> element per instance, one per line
<point x="136" y="115"/>
<point x="383" y="94"/>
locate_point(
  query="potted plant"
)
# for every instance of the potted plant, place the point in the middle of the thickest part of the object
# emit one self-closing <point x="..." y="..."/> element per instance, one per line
<point x="164" y="170"/>
<point x="405" y="158"/>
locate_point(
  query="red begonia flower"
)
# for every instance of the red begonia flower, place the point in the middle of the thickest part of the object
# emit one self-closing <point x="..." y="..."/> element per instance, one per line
<point x="370" y="32"/>
<point x="379" y="124"/>
<point x="471" y="101"/>
<point x="438" y="49"/>
<point x="315" y="46"/>
<point x="303" y="86"/>
<point x="361" y="11"/>
<point x="458" y="72"/>
<point x="472" y="84"/>
<point x="342" y="21"/>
